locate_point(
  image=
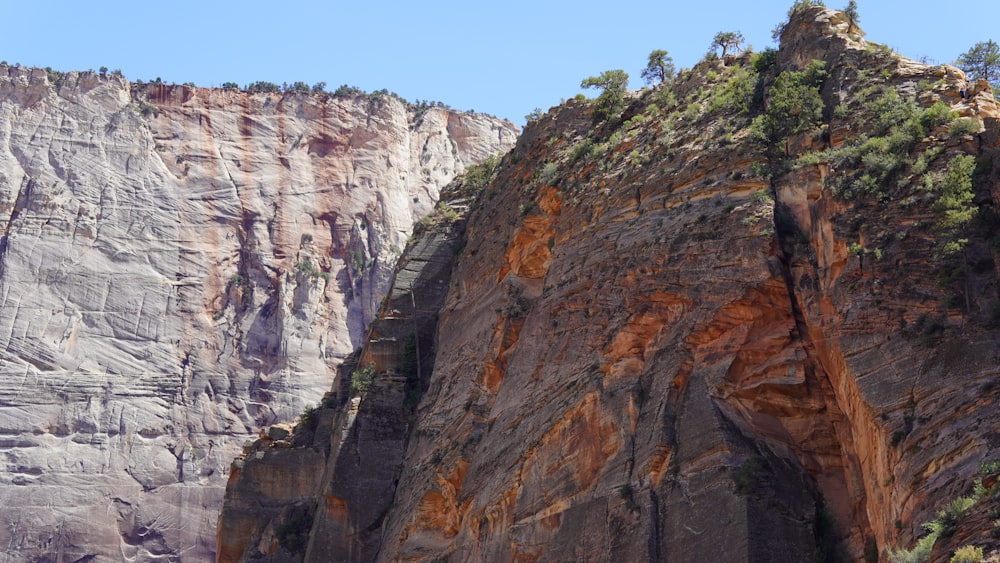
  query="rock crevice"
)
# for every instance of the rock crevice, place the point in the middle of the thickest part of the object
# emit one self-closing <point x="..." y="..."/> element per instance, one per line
<point x="173" y="275"/>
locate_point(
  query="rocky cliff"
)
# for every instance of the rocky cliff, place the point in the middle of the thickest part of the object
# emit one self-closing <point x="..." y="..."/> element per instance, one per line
<point x="751" y="318"/>
<point x="179" y="267"/>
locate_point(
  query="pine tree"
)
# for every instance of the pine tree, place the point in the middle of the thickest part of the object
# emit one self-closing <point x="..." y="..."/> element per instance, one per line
<point x="982" y="61"/>
<point x="851" y="11"/>
<point x="660" y="68"/>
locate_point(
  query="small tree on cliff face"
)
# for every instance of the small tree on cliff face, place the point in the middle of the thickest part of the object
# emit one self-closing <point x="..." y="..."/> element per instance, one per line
<point x="982" y="61"/>
<point x="795" y="105"/>
<point x="727" y="40"/>
<point x="614" y="85"/>
<point x="659" y="69"/>
<point x="851" y="11"/>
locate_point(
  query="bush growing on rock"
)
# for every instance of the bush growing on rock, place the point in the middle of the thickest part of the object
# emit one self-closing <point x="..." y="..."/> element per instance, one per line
<point x="361" y="380"/>
<point x="967" y="554"/>
<point x="795" y="105"/>
<point x="613" y="85"/>
<point x="478" y="176"/>
<point x="263" y="86"/>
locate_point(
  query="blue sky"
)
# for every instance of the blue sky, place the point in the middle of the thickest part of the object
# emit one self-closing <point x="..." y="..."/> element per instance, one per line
<point x="503" y="58"/>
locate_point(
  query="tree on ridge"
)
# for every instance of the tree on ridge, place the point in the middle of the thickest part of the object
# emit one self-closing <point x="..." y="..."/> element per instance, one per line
<point x="727" y="39"/>
<point x="614" y="85"/>
<point x="982" y="62"/>
<point x="660" y="68"/>
<point x="851" y="11"/>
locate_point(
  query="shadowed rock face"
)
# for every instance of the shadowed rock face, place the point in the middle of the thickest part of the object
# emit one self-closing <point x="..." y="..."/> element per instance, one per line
<point x="666" y="340"/>
<point x="179" y="267"/>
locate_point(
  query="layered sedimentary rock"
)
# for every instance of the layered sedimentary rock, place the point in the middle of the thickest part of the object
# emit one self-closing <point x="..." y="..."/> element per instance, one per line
<point x="753" y="318"/>
<point x="179" y="267"/>
<point x="349" y="451"/>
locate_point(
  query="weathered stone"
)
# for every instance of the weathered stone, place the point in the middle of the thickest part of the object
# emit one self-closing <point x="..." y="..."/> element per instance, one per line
<point x="278" y="432"/>
<point x="178" y="268"/>
<point x="649" y="351"/>
<point x="364" y="440"/>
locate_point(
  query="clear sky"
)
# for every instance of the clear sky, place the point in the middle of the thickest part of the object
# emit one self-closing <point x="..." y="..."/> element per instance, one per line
<point x="503" y="57"/>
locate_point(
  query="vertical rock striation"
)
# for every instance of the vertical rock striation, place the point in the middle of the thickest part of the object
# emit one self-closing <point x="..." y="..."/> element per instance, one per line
<point x="178" y="267"/>
<point x="752" y="319"/>
<point x="350" y="450"/>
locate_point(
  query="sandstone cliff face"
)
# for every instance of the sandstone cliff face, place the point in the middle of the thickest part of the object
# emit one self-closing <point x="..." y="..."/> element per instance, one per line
<point x="351" y="448"/>
<point x="732" y="325"/>
<point x="178" y="267"/>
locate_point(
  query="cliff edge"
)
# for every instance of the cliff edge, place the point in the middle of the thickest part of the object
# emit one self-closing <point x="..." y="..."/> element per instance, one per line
<point x="178" y="267"/>
<point x="751" y="318"/>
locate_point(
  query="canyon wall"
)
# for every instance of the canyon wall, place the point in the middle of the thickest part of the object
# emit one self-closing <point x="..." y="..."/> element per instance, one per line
<point x="179" y="267"/>
<point x="752" y="318"/>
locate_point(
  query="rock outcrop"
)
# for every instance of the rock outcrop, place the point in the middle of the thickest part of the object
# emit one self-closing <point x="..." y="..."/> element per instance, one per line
<point x="349" y="450"/>
<point x="754" y="318"/>
<point x="178" y="268"/>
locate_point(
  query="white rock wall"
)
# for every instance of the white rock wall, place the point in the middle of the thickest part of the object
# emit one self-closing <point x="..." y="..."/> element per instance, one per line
<point x="156" y="306"/>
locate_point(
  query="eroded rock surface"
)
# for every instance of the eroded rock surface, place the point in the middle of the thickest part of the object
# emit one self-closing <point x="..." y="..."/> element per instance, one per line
<point x="179" y="267"/>
<point x="359" y="432"/>
<point x="710" y="330"/>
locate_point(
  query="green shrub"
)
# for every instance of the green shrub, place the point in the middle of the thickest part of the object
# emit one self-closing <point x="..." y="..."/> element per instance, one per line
<point x="919" y="554"/>
<point x="737" y="94"/>
<point x="613" y="85"/>
<point x="549" y="173"/>
<point x="942" y="526"/>
<point x="989" y="467"/>
<point x="890" y="110"/>
<point x="356" y="259"/>
<point x="309" y="270"/>
<point x="665" y="98"/>
<point x="263" y="86"/>
<point x="478" y="176"/>
<point x="953" y="207"/>
<point x="54" y="76"/>
<point x="759" y="170"/>
<point x="308" y="417"/>
<point x="795" y="105"/>
<point x="878" y="159"/>
<point x="764" y="60"/>
<point x="345" y="91"/>
<point x="692" y="111"/>
<point x="937" y="114"/>
<point x="297" y="87"/>
<point x="967" y="554"/>
<point x="581" y="149"/>
<point x="964" y="126"/>
<point x="597" y="150"/>
<point x="361" y="380"/>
